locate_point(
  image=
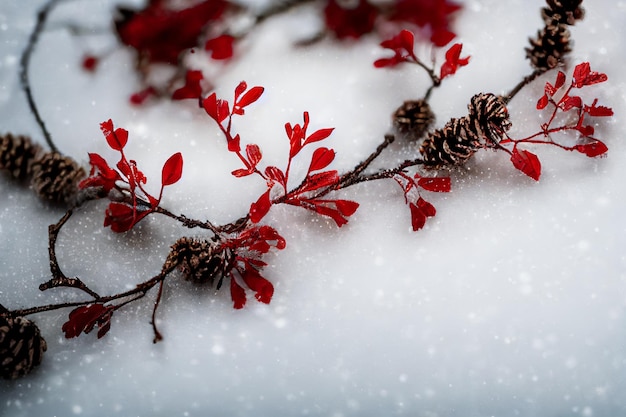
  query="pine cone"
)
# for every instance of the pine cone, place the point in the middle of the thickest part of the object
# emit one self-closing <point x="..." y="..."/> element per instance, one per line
<point x="549" y="48"/>
<point x="56" y="177"/>
<point x="565" y="12"/>
<point x="413" y="118"/>
<point x="17" y="154"/>
<point x="202" y="261"/>
<point x="21" y="346"/>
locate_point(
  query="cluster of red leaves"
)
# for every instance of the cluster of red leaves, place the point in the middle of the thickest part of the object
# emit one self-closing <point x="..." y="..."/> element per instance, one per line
<point x="160" y="32"/>
<point x="316" y="178"/>
<point x="355" y="19"/>
<point x="136" y="203"/>
<point x="403" y="45"/>
<point x="563" y="103"/>
<point x="250" y="245"/>
<point x="419" y="207"/>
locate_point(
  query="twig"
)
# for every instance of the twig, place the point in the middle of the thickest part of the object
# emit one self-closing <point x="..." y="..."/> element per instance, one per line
<point x="42" y="16"/>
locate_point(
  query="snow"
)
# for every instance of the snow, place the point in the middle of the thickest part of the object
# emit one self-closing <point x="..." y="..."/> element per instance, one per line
<point x="511" y="301"/>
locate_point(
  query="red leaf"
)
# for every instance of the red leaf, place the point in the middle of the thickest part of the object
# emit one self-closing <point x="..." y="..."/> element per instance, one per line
<point x="584" y="76"/>
<point x="220" y="47"/>
<point x="172" y="169"/>
<point x="346" y="207"/>
<point x="453" y="61"/>
<point x="526" y="162"/>
<point x="250" y="96"/>
<point x="115" y="138"/>
<point x="83" y="319"/>
<point x="275" y="174"/>
<point x="427" y="208"/>
<point x="210" y="105"/>
<point x="254" y="154"/>
<point x="259" y="209"/>
<point x="241" y="87"/>
<point x="270" y="234"/>
<point x="418" y="218"/>
<point x="242" y="172"/>
<point x="543" y="102"/>
<point x="334" y="214"/>
<point x="101" y="174"/>
<point x="237" y="294"/>
<point x="568" y="103"/>
<point x="592" y="149"/>
<point x="438" y="185"/>
<point x="585" y="130"/>
<point x="351" y="21"/>
<point x="262" y="287"/>
<point x="560" y="80"/>
<point x="598" y="111"/>
<point x="319" y="135"/>
<point x="322" y="157"/>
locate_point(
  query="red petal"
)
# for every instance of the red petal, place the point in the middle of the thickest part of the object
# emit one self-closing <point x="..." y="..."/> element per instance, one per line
<point x="172" y="169"/>
<point x="527" y="162"/>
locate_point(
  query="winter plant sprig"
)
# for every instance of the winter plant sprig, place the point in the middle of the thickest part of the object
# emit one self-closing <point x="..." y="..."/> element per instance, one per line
<point x="234" y="253"/>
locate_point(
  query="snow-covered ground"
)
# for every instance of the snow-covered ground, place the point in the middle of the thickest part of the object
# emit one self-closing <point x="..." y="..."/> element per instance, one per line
<point x="511" y="302"/>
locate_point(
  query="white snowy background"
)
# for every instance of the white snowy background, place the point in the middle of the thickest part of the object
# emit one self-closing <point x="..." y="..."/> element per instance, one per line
<point x="511" y="301"/>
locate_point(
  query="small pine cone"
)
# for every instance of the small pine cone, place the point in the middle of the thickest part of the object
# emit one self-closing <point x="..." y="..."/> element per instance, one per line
<point x="17" y="154"/>
<point x="565" y="12"/>
<point x="202" y="261"/>
<point x="549" y="48"/>
<point x="413" y="118"/>
<point x="56" y="177"/>
<point x="21" y="346"/>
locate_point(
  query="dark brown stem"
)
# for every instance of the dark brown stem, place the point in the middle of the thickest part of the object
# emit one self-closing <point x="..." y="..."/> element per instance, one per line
<point x="42" y="16"/>
<point x="157" y="334"/>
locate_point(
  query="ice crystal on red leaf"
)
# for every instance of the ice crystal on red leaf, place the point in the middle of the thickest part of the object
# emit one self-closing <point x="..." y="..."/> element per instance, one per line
<point x="350" y="19"/>
<point x="160" y="32"/>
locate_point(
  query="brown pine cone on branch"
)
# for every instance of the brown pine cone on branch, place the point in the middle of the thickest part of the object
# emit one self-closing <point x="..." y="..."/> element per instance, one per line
<point x="56" y="178"/>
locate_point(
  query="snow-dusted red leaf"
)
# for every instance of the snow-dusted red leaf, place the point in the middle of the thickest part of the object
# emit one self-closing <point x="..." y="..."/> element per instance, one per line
<point x="598" y="111"/>
<point x="542" y="103"/>
<point x="254" y="154"/>
<point x="242" y="172"/>
<point x="270" y="234"/>
<point x="585" y="130"/>
<point x="592" y="149"/>
<point x="234" y="144"/>
<point x="172" y="169"/>
<point x="259" y="208"/>
<point x="439" y="185"/>
<point x="321" y="158"/>
<point x="275" y="174"/>
<point x="569" y="102"/>
<point x="527" y="162"/>
<point x="237" y="294"/>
